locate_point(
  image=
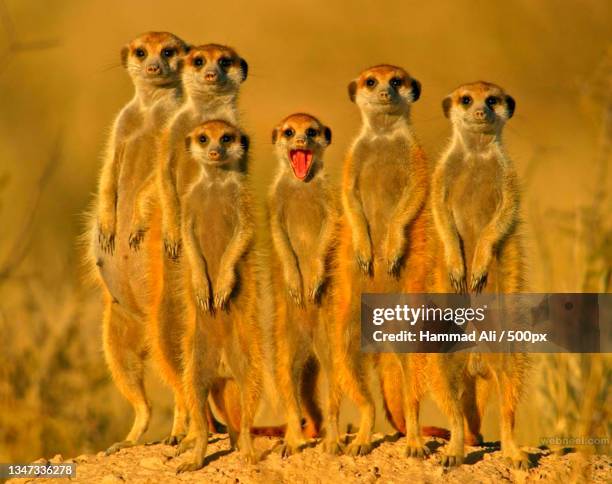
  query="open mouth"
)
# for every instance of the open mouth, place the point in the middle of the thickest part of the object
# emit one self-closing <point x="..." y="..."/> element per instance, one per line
<point x="301" y="160"/>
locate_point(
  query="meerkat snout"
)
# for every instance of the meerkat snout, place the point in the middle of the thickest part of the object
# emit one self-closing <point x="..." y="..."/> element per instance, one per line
<point x="479" y="106"/>
<point x="300" y="140"/>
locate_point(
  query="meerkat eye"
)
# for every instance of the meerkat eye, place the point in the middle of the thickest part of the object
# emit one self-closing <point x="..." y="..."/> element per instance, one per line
<point x="466" y="100"/>
<point x="370" y="82"/>
<point x="202" y="139"/>
<point x="396" y="82"/>
<point x="311" y="132"/>
<point x="140" y="53"/>
<point x="168" y="52"/>
<point x="491" y="101"/>
<point x="227" y="138"/>
<point x="198" y="62"/>
<point x="288" y="133"/>
<point x="225" y="62"/>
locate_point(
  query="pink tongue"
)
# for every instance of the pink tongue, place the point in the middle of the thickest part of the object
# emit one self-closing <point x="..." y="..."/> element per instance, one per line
<point x="300" y="160"/>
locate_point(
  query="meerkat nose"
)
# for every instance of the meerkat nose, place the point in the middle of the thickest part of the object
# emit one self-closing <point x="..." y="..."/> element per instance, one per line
<point x="153" y="69"/>
<point x="383" y="95"/>
<point x="214" y="155"/>
<point x="479" y="114"/>
<point x="300" y="141"/>
<point x="210" y="76"/>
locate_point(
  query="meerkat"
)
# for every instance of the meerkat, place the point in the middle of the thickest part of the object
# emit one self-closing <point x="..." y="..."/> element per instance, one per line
<point x="303" y="215"/>
<point x="152" y="60"/>
<point x="475" y="203"/>
<point x="223" y="331"/>
<point x="211" y="76"/>
<point x="385" y="184"/>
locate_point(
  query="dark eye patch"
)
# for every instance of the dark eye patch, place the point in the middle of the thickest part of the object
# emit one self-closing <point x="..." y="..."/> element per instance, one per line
<point x="492" y="101"/>
<point x="312" y="132"/>
<point x="140" y="52"/>
<point x="202" y="139"/>
<point x="225" y="62"/>
<point x="370" y="82"/>
<point x="198" y="61"/>
<point x="288" y="133"/>
<point x="465" y="100"/>
<point x="396" y="82"/>
<point x="169" y="52"/>
<point x="227" y="138"/>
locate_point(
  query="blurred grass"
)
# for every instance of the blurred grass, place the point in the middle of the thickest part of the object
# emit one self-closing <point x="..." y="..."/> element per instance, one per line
<point x="60" y="73"/>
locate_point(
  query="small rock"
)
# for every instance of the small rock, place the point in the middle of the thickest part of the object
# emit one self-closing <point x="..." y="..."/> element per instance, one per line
<point x="81" y="458"/>
<point x="152" y="463"/>
<point x="56" y="459"/>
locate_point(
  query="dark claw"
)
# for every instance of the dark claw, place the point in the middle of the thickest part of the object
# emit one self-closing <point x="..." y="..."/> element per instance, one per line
<point x="459" y="285"/>
<point x="315" y="293"/>
<point x="221" y="301"/>
<point x="417" y="451"/>
<point x="136" y="238"/>
<point x="364" y="265"/>
<point x="173" y="249"/>
<point x="451" y="460"/>
<point x="478" y="283"/>
<point x="107" y="243"/>
<point x="393" y="266"/>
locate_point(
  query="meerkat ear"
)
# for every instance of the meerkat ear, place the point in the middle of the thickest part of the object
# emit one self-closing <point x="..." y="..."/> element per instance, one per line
<point x="187" y="142"/>
<point x="511" y="103"/>
<point x="328" y="135"/>
<point x="446" y="105"/>
<point x="416" y="90"/>
<point x="245" y="142"/>
<point x="274" y="135"/>
<point x="352" y="91"/>
<point x="186" y="48"/>
<point x="245" y="69"/>
<point x="124" y="55"/>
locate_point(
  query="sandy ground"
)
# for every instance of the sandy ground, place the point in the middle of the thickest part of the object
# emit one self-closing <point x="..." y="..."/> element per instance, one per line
<point x="386" y="464"/>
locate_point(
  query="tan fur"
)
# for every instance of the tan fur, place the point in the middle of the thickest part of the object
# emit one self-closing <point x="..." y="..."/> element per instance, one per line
<point x="153" y="61"/>
<point x="205" y="97"/>
<point x="475" y="201"/>
<point x="223" y="332"/>
<point x="303" y="214"/>
<point x="381" y="238"/>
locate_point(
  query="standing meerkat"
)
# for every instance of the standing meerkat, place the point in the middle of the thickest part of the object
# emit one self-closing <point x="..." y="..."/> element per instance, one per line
<point x="384" y="192"/>
<point x="303" y="215"/>
<point x="221" y="284"/>
<point x="475" y="202"/>
<point x="211" y="77"/>
<point x="152" y="61"/>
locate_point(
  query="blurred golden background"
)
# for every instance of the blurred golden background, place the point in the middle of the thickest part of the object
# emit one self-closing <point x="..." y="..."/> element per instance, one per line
<point x="61" y="84"/>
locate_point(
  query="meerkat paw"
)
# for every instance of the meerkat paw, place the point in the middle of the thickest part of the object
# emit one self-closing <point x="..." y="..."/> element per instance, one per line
<point x="117" y="446"/>
<point x="451" y="460"/>
<point x="393" y="265"/>
<point x="136" y="237"/>
<point x="202" y="297"/>
<point x="519" y="461"/>
<point x="190" y="466"/>
<point x="224" y="290"/>
<point x="478" y="281"/>
<point x="333" y="447"/>
<point x="457" y="280"/>
<point x="106" y="241"/>
<point x="173" y="439"/>
<point x="287" y="449"/>
<point x="315" y="290"/>
<point x="358" y="448"/>
<point x="172" y="247"/>
<point x="417" y="450"/>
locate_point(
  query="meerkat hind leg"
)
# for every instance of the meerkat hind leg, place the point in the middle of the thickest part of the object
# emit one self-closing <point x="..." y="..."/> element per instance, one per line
<point x="411" y="397"/>
<point x="127" y="369"/>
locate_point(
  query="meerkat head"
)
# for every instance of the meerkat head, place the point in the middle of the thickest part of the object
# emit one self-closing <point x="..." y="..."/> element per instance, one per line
<point x="219" y="144"/>
<point x="300" y="141"/>
<point x="384" y="89"/>
<point x="214" y="69"/>
<point x="479" y="107"/>
<point x="154" y="58"/>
